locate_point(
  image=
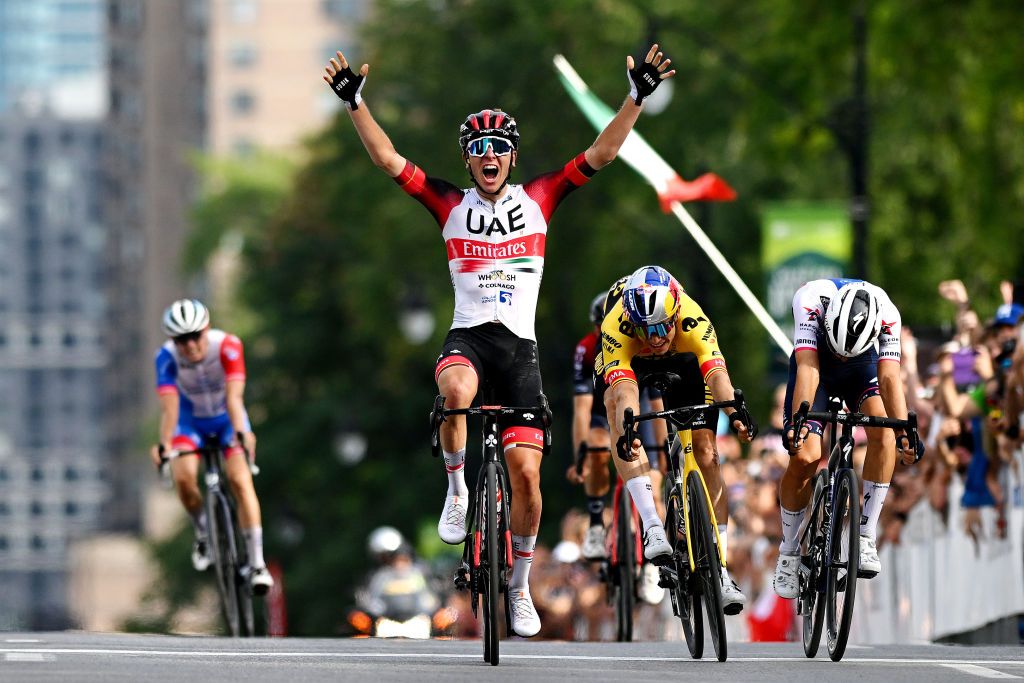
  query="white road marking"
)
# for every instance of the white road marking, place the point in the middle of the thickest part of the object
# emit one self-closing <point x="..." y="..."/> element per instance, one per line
<point x="22" y="640"/>
<point x="455" y="655"/>
<point x="26" y="657"/>
<point x="982" y="671"/>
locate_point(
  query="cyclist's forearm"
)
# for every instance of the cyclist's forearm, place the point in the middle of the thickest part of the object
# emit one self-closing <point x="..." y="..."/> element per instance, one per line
<point x="378" y="145"/>
<point x="890" y="386"/>
<point x="806" y="384"/>
<point x="581" y="405"/>
<point x="606" y="146"/>
<point x="721" y="388"/>
<point x="235" y="405"/>
<point x="168" y="417"/>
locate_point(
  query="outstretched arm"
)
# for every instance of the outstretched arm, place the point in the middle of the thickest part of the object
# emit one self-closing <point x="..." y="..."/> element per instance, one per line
<point x="348" y="86"/>
<point x="643" y="80"/>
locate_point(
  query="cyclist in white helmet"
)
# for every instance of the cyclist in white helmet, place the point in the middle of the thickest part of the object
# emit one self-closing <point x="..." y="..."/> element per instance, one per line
<point x="846" y="344"/>
<point x="200" y="375"/>
<point x="495" y="233"/>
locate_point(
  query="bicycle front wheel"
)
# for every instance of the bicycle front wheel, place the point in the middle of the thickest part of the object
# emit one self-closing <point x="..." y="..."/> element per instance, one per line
<point x="492" y="586"/>
<point x="243" y="590"/>
<point x="225" y="562"/>
<point x="841" y="587"/>
<point x="685" y="599"/>
<point x="811" y="605"/>
<point x="707" y="563"/>
<point x="626" y="570"/>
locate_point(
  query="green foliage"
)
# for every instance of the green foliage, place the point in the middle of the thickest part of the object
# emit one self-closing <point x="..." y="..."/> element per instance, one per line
<point x="335" y="252"/>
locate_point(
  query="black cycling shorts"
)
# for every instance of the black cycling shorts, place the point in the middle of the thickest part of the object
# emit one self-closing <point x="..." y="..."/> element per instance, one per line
<point x="506" y="367"/>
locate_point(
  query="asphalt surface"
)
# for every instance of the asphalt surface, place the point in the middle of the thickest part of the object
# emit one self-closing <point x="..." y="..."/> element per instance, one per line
<point x="119" y="657"/>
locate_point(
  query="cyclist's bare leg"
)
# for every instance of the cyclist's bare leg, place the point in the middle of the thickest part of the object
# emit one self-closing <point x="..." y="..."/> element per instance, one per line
<point x="659" y="500"/>
<point x="706" y="454"/>
<point x="596" y="477"/>
<point x="185" y="470"/>
<point x="240" y="478"/>
<point x="524" y="479"/>
<point x="795" y="485"/>
<point x="881" y="457"/>
<point x="458" y="384"/>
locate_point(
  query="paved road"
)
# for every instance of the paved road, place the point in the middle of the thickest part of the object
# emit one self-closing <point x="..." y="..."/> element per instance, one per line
<point x="116" y="657"/>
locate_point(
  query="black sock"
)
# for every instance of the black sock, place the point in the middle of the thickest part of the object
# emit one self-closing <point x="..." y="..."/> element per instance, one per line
<point x="595" y="506"/>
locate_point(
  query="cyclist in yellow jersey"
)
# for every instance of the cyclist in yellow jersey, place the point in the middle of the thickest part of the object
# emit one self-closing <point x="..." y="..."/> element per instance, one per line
<point x="651" y="325"/>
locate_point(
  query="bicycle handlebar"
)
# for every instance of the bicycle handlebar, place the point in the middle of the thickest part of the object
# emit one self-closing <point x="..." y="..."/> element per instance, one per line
<point x="439" y="414"/>
<point x="909" y="425"/>
<point x="684" y="415"/>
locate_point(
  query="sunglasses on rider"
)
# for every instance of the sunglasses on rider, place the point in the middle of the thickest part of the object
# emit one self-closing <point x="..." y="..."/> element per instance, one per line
<point x="478" y="147"/>
<point x="657" y="330"/>
<point x="183" y="339"/>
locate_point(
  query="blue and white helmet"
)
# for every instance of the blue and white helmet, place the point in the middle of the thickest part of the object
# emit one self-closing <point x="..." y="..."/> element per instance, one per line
<point x="185" y="316"/>
<point x="651" y="299"/>
<point x="852" y="320"/>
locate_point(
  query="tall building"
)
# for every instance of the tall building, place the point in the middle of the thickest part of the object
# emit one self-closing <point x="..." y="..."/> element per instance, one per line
<point x="54" y="465"/>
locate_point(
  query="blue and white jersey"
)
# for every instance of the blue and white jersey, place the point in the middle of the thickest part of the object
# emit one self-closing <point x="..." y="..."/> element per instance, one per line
<point x="810" y="302"/>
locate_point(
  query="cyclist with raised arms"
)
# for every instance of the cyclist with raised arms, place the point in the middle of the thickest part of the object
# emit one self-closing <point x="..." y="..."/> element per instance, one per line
<point x="200" y="376"/>
<point x="495" y="235"/>
<point x="846" y="344"/>
<point x="652" y="326"/>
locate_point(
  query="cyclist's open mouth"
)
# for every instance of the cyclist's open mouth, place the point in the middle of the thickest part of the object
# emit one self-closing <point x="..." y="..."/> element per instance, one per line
<point x="490" y="171"/>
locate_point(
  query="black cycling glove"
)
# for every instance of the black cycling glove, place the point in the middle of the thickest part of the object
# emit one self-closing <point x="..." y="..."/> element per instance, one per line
<point x="347" y="85"/>
<point x="644" y="78"/>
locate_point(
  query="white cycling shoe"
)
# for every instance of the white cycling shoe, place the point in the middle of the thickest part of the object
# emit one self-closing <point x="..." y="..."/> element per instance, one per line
<point x="525" y="620"/>
<point x="452" y="525"/>
<point x="649" y="590"/>
<point x="201" y="560"/>
<point x="593" y="543"/>
<point x="787" y="577"/>
<point x="733" y="598"/>
<point x="869" y="565"/>
<point x="260" y="580"/>
<point x="656" y="547"/>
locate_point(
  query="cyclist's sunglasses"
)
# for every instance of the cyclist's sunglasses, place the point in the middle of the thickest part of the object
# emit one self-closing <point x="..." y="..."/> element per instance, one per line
<point x="658" y="330"/>
<point x="183" y="339"/>
<point x="478" y="147"/>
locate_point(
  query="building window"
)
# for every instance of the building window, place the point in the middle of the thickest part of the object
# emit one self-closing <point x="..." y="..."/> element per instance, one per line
<point x="242" y="55"/>
<point x="243" y="102"/>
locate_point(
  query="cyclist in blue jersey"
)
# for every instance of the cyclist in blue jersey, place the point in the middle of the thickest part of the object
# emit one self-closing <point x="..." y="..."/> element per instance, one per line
<point x="495" y="235"/>
<point x="200" y="375"/>
<point x="846" y="344"/>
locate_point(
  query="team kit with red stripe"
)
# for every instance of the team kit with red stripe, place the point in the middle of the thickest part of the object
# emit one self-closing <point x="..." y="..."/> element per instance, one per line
<point x="496" y="261"/>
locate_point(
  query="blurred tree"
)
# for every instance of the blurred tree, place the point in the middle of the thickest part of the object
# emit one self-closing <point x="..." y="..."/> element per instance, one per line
<point x="335" y="254"/>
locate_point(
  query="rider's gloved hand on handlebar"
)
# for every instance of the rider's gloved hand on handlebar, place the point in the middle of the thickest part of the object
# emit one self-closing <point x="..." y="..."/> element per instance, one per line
<point x="908" y="454"/>
<point x="742" y="424"/>
<point x="156" y="454"/>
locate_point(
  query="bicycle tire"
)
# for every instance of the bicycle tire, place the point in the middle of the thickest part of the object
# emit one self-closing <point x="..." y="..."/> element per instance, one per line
<point x="626" y="569"/>
<point x="845" y="522"/>
<point x="708" y="564"/>
<point x="225" y="564"/>
<point x="243" y="590"/>
<point x="813" y="606"/>
<point x="492" y="587"/>
<point x="685" y="601"/>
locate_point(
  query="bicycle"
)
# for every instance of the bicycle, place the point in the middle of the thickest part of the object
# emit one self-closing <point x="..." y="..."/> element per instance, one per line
<point x="230" y="557"/>
<point x="694" y="571"/>
<point x="487" y="554"/>
<point x="830" y="543"/>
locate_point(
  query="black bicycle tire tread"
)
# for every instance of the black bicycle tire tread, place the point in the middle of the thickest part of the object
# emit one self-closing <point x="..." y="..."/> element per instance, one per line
<point x="815" y="620"/>
<point x="838" y="635"/>
<point x="712" y="582"/>
<point x="493" y="562"/>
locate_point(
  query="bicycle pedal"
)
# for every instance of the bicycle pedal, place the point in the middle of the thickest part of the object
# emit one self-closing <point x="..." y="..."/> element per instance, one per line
<point x="662" y="560"/>
<point x="667" y="578"/>
<point x="866" y="574"/>
<point x="462" y="578"/>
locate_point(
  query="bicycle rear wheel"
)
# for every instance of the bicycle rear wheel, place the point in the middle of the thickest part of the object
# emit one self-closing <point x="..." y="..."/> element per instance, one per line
<point x="625" y="570"/>
<point x="492" y="586"/>
<point x="685" y="600"/>
<point x="224" y="560"/>
<point x="841" y="587"/>
<point x="707" y="563"/>
<point x="811" y="605"/>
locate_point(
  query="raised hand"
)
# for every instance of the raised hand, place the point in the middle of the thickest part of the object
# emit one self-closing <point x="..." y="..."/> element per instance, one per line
<point x="345" y="83"/>
<point x="645" y="78"/>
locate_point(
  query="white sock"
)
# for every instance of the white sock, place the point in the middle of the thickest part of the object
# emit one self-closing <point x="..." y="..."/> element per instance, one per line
<point x="455" y="464"/>
<point x="198" y="522"/>
<point x="790" y="530"/>
<point x="642" y="493"/>
<point x="522" y="558"/>
<point x="723" y="537"/>
<point x="874" y="497"/>
<point x="254" y="542"/>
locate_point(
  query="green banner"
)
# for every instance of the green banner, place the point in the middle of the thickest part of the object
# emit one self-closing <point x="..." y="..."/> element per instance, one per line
<point x="802" y="241"/>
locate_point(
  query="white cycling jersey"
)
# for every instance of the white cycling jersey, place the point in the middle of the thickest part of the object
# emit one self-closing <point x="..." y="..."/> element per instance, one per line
<point x="496" y="251"/>
<point x="811" y="300"/>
